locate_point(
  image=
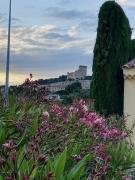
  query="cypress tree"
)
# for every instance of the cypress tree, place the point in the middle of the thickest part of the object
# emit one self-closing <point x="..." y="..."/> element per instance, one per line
<point x="111" y="51"/>
<point x="132" y="50"/>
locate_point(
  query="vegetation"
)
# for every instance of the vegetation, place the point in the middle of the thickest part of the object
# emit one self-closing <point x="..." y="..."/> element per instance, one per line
<point x="59" y="79"/>
<point x="52" y="80"/>
<point x="45" y="140"/>
<point x="73" y="92"/>
<point x="132" y="52"/>
<point x="112" y="50"/>
<point x="75" y="87"/>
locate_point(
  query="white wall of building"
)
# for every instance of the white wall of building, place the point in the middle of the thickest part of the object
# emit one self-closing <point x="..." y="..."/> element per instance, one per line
<point x="54" y="87"/>
<point x="129" y="97"/>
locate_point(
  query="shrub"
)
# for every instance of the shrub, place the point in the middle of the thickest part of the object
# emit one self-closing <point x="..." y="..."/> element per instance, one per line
<point x="50" y="141"/>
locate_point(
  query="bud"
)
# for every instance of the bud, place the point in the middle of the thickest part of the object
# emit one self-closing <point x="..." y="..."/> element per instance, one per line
<point x="8" y="178"/>
<point x="50" y="175"/>
<point x="42" y="158"/>
<point x="24" y="177"/>
<point x="14" y="157"/>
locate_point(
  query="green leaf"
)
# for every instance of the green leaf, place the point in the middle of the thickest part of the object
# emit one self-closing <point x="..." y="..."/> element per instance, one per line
<point x="49" y="167"/>
<point x="78" y="170"/>
<point x="60" y="165"/>
<point x="34" y="124"/>
<point x="34" y="172"/>
<point x="22" y="140"/>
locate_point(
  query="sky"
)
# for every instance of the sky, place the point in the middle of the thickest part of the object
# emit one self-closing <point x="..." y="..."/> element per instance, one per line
<point x="51" y="37"/>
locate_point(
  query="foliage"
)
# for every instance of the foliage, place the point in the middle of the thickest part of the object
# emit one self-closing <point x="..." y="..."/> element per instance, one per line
<point x="112" y="50"/>
<point x="73" y="92"/>
<point x="82" y="93"/>
<point x="75" y="87"/>
<point x="30" y="90"/>
<point x="132" y="50"/>
<point x="52" y="80"/>
<point x="50" y="141"/>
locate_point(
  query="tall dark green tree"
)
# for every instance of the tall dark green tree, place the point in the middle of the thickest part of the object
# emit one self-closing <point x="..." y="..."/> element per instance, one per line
<point x="111" y="51"/>
<point x="132" y="50"/>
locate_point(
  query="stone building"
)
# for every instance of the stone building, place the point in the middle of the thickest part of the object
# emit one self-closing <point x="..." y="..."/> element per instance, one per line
<point x="129" y="93"/>
<point x="81" y="73"/>
<point x="54" y="87"/>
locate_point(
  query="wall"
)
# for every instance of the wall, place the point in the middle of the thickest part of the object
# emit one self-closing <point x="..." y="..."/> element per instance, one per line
<point x="71" y="75"/>
<point x="129" y="97"/>
<point x="54" y="87"/>
<point x="81" y="73"/>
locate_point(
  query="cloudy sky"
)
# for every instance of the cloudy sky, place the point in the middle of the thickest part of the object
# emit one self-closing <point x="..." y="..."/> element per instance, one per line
<point x="51" y="37"/>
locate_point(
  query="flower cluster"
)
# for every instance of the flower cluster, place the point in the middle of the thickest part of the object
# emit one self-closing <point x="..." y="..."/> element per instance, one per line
<point x="93" y="120"/>
<point x="79" y="109"/>
<point x="9" y="145"/>
<point x="96" y="123"/>
<point x="36" y="140"/>
<point x="57" y="110"/>
<point x="60" y="112"/>
<point x="83" y="132"/>
<point x="32" y="90"/>
<point x="114" y="134"/>
<point x="10" y="150"/>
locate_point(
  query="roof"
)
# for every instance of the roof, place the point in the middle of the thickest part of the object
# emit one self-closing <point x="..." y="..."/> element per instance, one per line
<point x="130" y="64"/>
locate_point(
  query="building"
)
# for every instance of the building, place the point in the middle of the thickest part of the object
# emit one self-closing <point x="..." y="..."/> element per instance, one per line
<point x="53" y="97"/>
<point x="129" y="93"/>
<point x="81" y="73"/>
<point x="71" y="75"/>
<point x="58" y="86"/>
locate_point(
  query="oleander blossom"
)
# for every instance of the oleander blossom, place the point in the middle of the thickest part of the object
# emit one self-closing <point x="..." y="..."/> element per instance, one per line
<point x="114" y="134"/>
<point x="45" y="115"/>
<point x="98" y="126"/>
<point x="92" y="120"/>
<point x="127" y="178"/>
<point x="57" y="110"/>
<point x="100" y="150"/>
<point x="9" y="145"/>
<point x="66" y="120"/>
<point x="78" y="109"/>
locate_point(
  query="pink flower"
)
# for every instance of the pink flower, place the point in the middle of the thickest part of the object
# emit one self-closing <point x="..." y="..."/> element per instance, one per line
<point x="8" y="178"/>
<point x="127" y="178"/>
<point x="66" y="120"/>
<point x="124" y="134"/>
<point x="92" y="119"/>
<point x="9" y="145"/>
<point x="79" y="108"/>
<point x="114" y="134"/>
<point x="45" y="115"/>
<point x="85" y="108"/>
<point x="57" y="110"/>
<point x="99" y="120"/>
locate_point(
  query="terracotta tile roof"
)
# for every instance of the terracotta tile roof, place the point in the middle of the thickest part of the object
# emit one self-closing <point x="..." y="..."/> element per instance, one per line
<point x="130" y="64"/>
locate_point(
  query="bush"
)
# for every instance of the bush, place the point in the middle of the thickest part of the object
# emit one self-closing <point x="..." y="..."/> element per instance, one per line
<point x="50" y="141"/>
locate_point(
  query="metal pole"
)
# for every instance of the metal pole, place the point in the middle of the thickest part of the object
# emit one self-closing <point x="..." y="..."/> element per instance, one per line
<point x="8" y="58"/>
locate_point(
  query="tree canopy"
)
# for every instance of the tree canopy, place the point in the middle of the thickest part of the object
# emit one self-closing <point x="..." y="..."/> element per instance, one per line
<point x="111" y="51"/>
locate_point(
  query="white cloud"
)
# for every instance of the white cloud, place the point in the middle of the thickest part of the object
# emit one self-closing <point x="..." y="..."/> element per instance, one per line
<point x="130" y="3"/>
<point x="48" y="37"/>
<point x="73" y="31"/>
